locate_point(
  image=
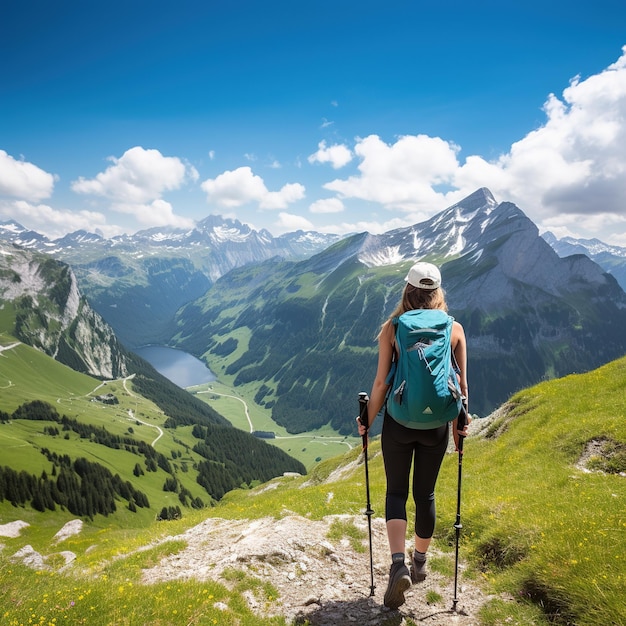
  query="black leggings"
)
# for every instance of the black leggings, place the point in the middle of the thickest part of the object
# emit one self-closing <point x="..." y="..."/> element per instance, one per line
<point x="402" y="446"/>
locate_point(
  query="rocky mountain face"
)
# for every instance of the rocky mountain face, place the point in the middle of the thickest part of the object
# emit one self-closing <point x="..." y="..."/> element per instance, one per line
<point x="303" y="333"/>
<point x="52" y="315"/>
<point x="138" y="282"/>
<point x="611" y="258"/>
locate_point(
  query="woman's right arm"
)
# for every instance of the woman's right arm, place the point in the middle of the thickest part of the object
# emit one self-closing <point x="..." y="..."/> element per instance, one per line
<point x="459" y="346"/>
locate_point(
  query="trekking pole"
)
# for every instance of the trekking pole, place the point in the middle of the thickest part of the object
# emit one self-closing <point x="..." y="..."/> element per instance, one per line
<point x="363" y="418"/>
<point x="457" y="526"/>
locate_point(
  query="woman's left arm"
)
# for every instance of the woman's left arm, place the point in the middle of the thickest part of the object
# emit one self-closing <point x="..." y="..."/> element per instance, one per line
<point x="459" y="346"/>
<point x="379" y="387"/>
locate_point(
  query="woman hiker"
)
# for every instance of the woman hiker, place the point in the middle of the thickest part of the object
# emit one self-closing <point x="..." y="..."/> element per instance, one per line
<point x="402" y="446"/>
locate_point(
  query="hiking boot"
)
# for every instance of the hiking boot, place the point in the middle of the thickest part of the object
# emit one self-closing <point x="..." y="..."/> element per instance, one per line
<point x="418" y="569"/>
<point x="399" y="582"/>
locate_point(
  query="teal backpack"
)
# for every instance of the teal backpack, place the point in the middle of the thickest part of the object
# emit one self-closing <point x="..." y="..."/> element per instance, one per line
<point x="424" y="390"/>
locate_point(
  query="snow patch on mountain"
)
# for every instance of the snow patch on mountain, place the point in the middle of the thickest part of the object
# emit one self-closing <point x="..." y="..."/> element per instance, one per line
<point x="158" y="237"/>
<point x="11" y="227"/>
<point x="417" y="241"/>
<point x="458" y="241"/>
<point x="384" y="256"/>
<point x="474" y="258"/>
<point x="222" y="234"/>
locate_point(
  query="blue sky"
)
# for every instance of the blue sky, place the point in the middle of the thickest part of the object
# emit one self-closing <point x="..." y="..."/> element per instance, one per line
<point x="334" y="116"/>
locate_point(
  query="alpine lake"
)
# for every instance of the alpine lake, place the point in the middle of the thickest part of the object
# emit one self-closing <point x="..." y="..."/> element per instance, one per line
<point x="182" y="368"/>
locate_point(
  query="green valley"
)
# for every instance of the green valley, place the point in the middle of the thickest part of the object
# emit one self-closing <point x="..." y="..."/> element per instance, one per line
<point x="111" y="424"/>
<point x="238" y="405"/>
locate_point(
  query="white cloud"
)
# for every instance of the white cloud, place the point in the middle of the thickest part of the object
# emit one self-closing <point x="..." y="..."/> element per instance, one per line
<point x="575" y="164"/>
<point x="292" y="192"/>
<point x="136" y="182"/>
<point x="235" y="188"/>
<point x="55" y="223"/>
<point x="401" y="175"/>
<point x="238" y="187"/>
<point x="24" y="180"/>
<point x="337" y="155"/>
<point x="139" y="175"/>
<point x="370" y="226"/>
<point x="570" y="170"/>
<point x="570" y="225"/>
<point x="155" y="213"/>
<point x="327" y="205"/>
<point x="287" y="222"/>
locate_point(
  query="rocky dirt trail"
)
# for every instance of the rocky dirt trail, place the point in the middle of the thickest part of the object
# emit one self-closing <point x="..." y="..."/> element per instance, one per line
<point x="325" y="582"/>
<point x="320" y="581"/>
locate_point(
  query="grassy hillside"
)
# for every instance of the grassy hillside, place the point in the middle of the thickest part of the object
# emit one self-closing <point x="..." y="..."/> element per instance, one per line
<point x="536" y="525"/>
<point x="536" y="521"/>
<point x="28" y="375"/>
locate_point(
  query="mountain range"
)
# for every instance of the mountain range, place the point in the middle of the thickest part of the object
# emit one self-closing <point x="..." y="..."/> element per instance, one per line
<point x="137" y="282"/>
<point x="610" y="258"/>
<point x="295" y="317"/>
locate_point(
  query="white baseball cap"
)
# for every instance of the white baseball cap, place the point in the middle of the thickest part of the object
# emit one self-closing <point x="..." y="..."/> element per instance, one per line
<point x="424" y="276"/>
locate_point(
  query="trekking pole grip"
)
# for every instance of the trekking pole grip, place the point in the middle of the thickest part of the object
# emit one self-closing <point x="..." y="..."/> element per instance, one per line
<point x="363" y="417"/>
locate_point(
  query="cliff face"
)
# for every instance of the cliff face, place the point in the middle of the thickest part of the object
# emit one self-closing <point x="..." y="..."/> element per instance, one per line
<point x="50" y="314"/>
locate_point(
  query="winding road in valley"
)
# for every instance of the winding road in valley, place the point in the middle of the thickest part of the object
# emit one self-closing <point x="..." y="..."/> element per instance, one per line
<point x="132" y="414"/>
<point x="245" y="405"/>
<point x="136" y="419"/>
<point x="321" y="438"/>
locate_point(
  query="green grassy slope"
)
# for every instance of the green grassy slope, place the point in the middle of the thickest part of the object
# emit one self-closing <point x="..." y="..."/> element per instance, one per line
<point x="535" y="524"/>
<point x="26" y="374"/>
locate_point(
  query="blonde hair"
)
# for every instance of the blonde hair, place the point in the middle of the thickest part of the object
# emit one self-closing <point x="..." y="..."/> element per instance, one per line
<point x="416" y="298"/>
